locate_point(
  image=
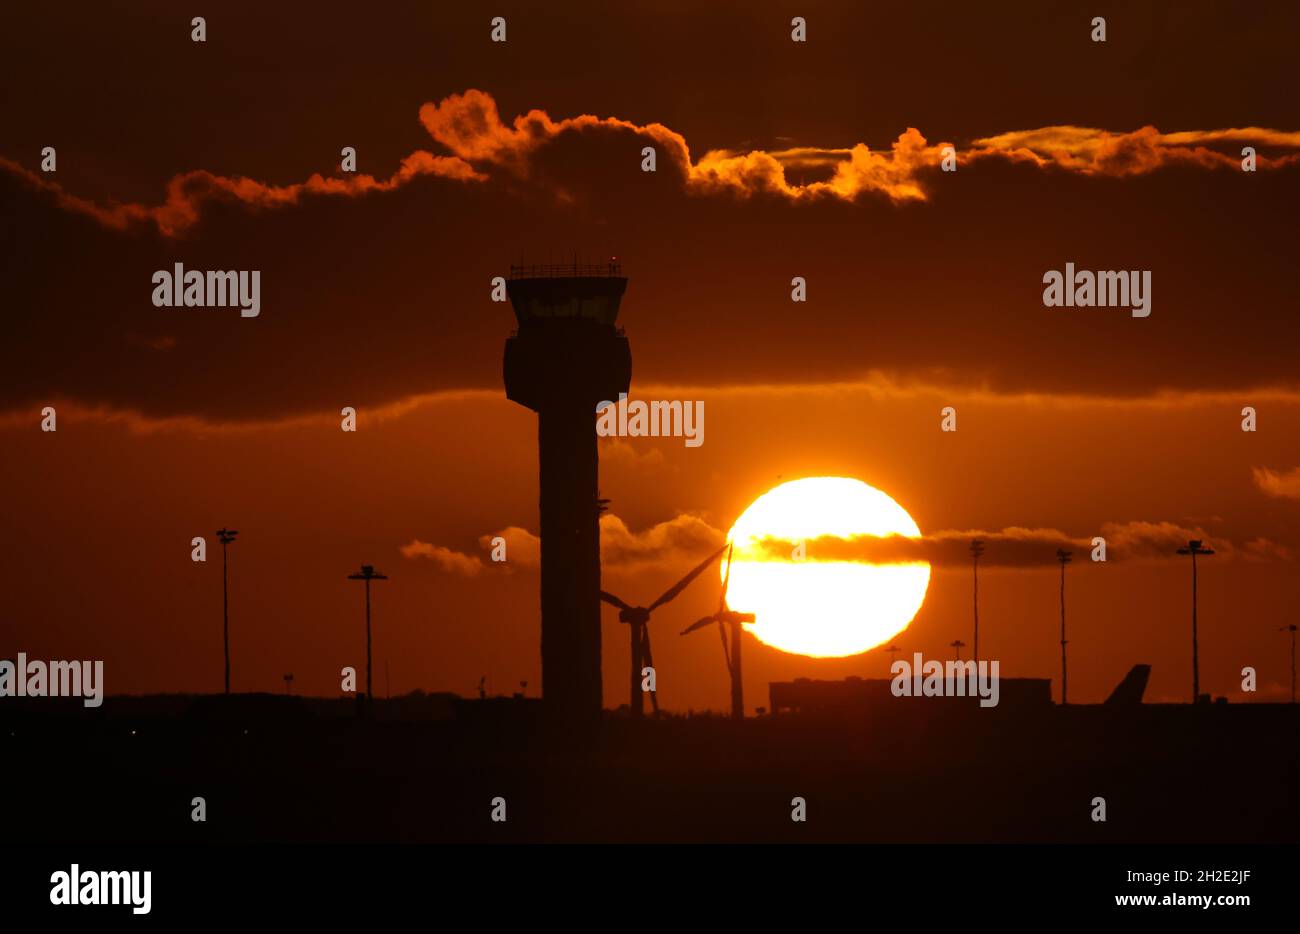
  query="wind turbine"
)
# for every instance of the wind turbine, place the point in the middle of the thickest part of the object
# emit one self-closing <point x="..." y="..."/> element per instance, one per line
<point x="729" y="618"/>
<point x="1194" y="548"/>
<point x="638" y="618"/>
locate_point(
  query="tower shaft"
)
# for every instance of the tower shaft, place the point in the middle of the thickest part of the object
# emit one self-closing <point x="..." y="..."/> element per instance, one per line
<point x="570" y="530"/>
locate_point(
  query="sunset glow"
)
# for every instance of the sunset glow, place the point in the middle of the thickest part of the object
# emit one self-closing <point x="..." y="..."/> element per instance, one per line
<point x="823" y="608"/>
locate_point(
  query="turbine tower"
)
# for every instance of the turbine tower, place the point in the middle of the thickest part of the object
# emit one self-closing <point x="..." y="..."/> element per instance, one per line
<point x="567" y="356"/>
<point x="728" y="619"/>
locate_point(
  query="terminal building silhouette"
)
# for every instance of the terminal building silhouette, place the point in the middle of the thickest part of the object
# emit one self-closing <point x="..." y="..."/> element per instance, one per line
<point x="854" y="697"/>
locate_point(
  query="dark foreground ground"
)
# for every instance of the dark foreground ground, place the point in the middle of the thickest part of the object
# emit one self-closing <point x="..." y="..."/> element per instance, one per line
<point x="427" y="770"/>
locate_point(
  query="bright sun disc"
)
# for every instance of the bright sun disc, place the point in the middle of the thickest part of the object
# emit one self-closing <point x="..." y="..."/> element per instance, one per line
<point x="823" y="608"/>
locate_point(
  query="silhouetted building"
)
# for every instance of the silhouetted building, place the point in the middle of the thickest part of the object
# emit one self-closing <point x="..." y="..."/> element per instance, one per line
<point x="567" y="356"/>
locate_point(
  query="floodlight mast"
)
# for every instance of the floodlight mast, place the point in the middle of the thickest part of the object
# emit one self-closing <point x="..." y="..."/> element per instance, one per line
<point x="1195" y="547"/>
<point x="1291" y="629"/>
<point x="1064" y="558"/>
<point x="976" y="550"/>
<point x="368" y="574"/>
<point x="227" y="537"/>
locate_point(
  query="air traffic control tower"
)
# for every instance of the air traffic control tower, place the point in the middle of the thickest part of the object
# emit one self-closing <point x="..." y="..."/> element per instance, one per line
<point x="567" y="356"/>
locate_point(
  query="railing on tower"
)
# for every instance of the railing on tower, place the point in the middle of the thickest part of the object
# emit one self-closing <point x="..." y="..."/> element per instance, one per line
<point x="565" y="270"/>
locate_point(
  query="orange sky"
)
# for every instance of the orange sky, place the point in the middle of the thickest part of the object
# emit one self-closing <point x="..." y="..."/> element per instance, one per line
<point x="108" y="511"/>
<point x="774" y="161"/>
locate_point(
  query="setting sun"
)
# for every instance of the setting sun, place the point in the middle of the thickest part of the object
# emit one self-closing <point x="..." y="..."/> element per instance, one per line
<point x="823" y="608"/>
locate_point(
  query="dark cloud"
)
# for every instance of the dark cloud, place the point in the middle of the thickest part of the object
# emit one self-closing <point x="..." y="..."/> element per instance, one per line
<point x="673" y="543"/>
<point x="1015" y="547"/>
<point x="368" y="300"/>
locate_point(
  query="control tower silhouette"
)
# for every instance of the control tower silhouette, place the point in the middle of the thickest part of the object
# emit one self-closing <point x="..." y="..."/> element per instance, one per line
<point x="567" y="356"/>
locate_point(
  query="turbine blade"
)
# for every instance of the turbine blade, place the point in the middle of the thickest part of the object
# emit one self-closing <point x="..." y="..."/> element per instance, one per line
<point x="681" y="585"/>
<point x="699" y="624"/>
<point x="610" y="598"/>
<point x="726" y="579"/>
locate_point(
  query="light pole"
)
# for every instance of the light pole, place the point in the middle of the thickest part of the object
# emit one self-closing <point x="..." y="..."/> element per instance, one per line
<point x="1291" y="629"/>
<point x="976" y="549"/>
<point x="1063" y="556"/>
<point x="367" y="574"/>
<point x="1194" y="548"/>
<point x="227" y="536"/>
